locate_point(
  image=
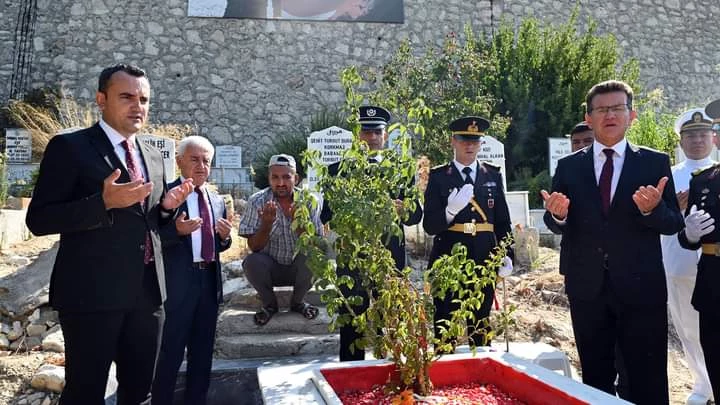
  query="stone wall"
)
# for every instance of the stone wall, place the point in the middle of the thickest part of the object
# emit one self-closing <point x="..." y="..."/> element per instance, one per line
<point x="245" y="81"/>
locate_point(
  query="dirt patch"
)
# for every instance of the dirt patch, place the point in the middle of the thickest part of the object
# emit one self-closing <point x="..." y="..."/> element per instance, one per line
<point x="538" y="291"/>
<point x="543" y="315"/>
<point x="30" y="248"/>
<point x="17" y="371"/>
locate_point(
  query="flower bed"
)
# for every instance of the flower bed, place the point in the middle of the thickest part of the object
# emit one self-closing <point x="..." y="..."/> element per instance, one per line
<point x="498" y="378"/>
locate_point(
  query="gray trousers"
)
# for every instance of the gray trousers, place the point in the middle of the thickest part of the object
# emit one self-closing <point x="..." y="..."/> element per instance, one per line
<point x="264" y="273"/>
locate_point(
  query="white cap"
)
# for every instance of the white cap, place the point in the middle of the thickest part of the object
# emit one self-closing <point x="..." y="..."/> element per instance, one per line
<point x="282" y="160"/>
<point x="691" y="119"/>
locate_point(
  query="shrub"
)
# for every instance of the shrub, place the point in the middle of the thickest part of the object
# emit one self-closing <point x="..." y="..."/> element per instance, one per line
<point x="530" y="81"/>
<point x="294" y="143"/>
<point x="654" y="125"/>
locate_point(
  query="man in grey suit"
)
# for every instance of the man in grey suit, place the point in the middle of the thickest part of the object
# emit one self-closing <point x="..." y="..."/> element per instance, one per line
<point x="191" y="247"/>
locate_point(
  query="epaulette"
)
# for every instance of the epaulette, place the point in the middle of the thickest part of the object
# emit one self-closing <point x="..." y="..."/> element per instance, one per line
<point x="439" y="167"/>
<point x="702" y="169"/>
<point x="491" y="166"/>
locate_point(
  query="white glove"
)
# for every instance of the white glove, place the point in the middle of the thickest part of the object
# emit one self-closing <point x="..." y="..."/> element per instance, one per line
<point x="458" y="199"/>
<point x="697" y="224"/>
<point x="506" y="267"/>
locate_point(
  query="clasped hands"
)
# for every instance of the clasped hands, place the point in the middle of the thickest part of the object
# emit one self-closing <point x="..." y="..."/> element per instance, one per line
<point x="646" y="198"/>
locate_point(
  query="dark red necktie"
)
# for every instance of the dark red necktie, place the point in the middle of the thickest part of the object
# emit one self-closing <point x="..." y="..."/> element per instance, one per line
<point x="207" y="249"/>
<point x="605" y="183"/>
<point x="135" y="172"/>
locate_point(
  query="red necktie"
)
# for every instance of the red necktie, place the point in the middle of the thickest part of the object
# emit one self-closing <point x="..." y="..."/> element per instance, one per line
<point x="135" y="172"/>
<point x="207" y="249"/>
<point x="605" y="183"/>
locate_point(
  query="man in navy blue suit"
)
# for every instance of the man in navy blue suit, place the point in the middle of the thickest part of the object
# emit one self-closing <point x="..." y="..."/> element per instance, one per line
<point x="191" y="247"/>
<point x="611" y="202"/>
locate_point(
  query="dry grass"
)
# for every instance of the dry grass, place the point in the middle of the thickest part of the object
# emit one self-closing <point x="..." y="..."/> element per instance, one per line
<point x="67" y="114"/>
<point x="43" y="123"/>
<point x="172" y="131"/>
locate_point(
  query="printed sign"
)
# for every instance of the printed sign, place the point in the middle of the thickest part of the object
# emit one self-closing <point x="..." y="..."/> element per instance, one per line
<point x="387" y="11"/>
<point x="331" y="143"/>
<point x="228" y="156"/>
<point x="166" y="146"/>
<point x="18" y="145"/>
<point x="557" y="148"/>
<point x="493" y="152"/>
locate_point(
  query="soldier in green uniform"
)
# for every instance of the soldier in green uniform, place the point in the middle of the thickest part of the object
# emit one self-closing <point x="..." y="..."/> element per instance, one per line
<point x="700" y="233"/>
<point x="465" y="203"/>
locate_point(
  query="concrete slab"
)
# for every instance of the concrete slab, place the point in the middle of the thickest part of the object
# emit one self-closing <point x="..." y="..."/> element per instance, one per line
<point x="275" y="345"/>
<point x="13" y="228"/>
<point x="247" y="298"/>
<point x="239" y="321"/>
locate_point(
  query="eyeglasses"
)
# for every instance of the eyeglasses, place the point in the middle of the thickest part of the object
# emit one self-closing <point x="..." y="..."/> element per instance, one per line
<point x="615" y="109"/>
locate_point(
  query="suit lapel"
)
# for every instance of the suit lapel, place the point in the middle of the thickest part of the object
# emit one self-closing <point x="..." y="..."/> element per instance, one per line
<point x="152" y="171"/>
<point x="456" y="177"/>
<point x="587" y="170"/>
<point x="105" y="149"/>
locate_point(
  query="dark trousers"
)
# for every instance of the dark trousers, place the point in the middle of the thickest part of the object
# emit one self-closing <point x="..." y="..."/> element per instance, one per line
<point x="710" y="342"/>
<point x="130" y="338"/>
<point x="348" y="334"/>
<point x="622" y="385"/>
<point x="264" y="273"/>
<point x="190" y="324"/>
<point x="477" y="336"/>
<point x="604" y="325"/>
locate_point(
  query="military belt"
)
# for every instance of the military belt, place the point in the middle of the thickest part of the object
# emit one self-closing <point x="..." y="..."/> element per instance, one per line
<point x="712" y="249"/>
<point x="472" y="228"/>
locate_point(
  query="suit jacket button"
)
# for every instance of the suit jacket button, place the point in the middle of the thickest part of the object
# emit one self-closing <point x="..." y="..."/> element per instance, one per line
<point x="142" y="247"/>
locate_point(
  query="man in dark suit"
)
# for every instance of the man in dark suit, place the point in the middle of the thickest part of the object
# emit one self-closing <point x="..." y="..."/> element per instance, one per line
<point x="193" y="274"/>
<point x="373" y="122"/>
<point x="465" y="203"/>
<point x="611" y="202"/>
<point x="701" y="232"/>
<point x="104" y="193"/>
<point x="581" y="136"/>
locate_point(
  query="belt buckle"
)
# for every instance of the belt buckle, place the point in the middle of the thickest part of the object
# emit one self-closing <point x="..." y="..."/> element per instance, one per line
<point x="469" y="228"/>
<point x="717" y="249"/>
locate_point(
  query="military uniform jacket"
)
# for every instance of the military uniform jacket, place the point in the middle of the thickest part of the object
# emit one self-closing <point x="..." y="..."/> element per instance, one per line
<point x="488" y="194"/>
<point x="396" y="245"/>
<point x="705" y="194"/>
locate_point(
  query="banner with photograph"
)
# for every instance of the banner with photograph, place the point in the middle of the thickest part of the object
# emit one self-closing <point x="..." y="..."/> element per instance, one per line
<point x="384" y="11"/>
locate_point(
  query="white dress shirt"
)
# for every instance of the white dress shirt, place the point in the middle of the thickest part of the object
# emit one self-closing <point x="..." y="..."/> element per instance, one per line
<point x="681" y="262"/>
<point x="473" y="169"/>
<point x="116" y="140"/>
<point x="193" y="211"/>
<point x="599" y="159"/>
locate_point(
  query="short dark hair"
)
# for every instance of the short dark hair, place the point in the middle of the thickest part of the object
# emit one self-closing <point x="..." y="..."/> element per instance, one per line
<point x="107" y="73"/>
<point x="608" y="86"/>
